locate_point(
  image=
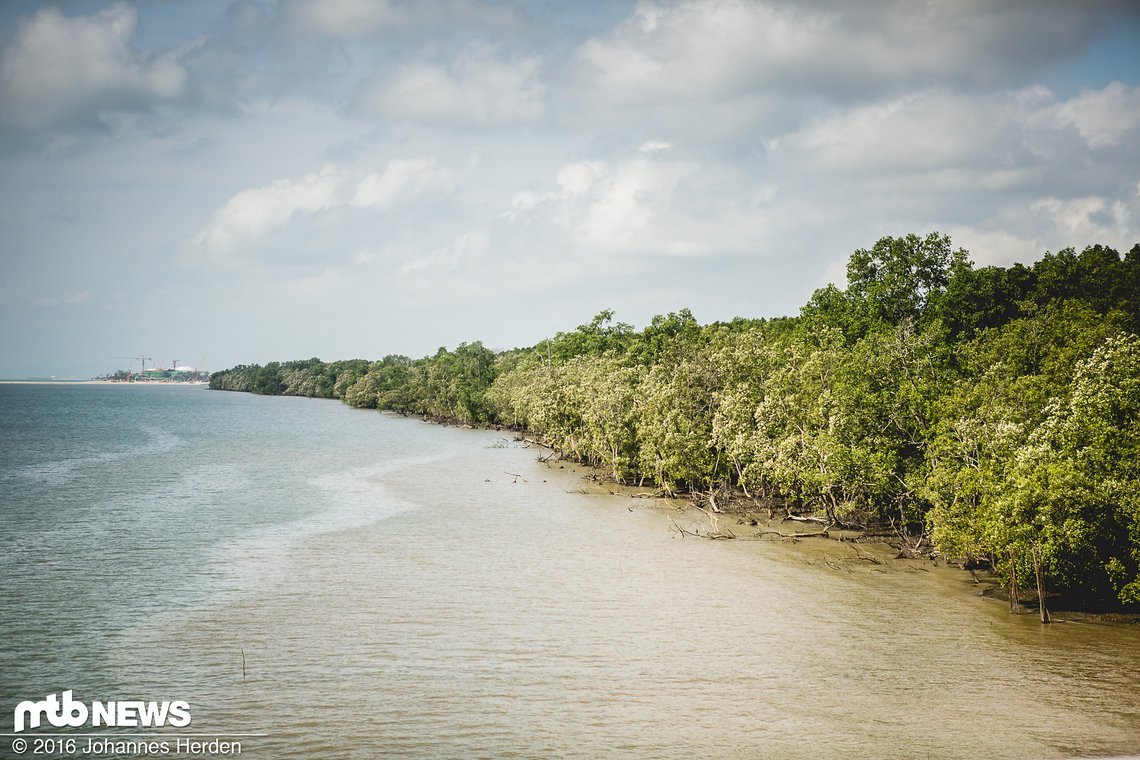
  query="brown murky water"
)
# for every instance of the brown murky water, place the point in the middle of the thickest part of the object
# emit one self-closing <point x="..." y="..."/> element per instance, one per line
<point x="511" y="618"/>
<point x="460" y="600"/>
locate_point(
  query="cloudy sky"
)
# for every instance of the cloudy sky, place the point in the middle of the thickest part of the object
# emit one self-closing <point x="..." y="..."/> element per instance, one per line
<point x="227" y="182"/>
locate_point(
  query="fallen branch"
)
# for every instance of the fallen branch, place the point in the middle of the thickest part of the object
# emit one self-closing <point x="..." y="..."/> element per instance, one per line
<point x="866" y="557"/>
<point x="793" y="536"/>
<point x="798" y="518"/>
<point x="682" y="531"/>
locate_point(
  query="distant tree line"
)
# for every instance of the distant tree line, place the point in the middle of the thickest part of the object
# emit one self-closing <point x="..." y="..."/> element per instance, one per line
<point x="993" y="410"/>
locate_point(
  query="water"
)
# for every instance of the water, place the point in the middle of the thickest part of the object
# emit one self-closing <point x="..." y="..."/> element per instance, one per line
<point x="398" y="589"/>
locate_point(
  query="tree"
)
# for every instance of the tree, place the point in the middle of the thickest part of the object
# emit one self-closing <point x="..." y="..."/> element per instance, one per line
<point x="898" y="278"/>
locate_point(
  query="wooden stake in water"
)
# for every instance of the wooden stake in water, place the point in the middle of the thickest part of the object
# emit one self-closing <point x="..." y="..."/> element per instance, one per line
<point x="1014" y="601"/>
<point x="243" y="662"/>
<point x="1040" y="584"/>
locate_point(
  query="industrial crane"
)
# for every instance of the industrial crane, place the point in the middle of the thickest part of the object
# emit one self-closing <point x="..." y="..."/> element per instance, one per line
<point x="142" y="364"/>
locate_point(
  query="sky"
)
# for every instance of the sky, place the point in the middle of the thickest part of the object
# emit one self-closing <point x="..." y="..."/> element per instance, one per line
<point x="256" y="180"/>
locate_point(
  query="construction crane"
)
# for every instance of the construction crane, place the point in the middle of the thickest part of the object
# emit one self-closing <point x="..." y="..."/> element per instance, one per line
<point x="174" y="364"/>
<point x="142" y="364"/>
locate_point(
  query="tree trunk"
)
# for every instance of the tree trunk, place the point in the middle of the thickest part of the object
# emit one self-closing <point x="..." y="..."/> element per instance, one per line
<point x="1014" y="601"/>
<point x="1040" y="584"/>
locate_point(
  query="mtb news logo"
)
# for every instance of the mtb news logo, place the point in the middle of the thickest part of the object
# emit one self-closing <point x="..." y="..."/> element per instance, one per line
<point x="67" y="712"/>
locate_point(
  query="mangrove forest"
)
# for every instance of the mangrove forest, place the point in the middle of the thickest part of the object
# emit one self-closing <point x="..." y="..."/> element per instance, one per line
<point x="990" y="413"/>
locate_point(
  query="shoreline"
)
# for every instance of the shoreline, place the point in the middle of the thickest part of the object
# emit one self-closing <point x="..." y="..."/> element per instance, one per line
<point x="832" y="549"/>
<point x="102" y="382"/>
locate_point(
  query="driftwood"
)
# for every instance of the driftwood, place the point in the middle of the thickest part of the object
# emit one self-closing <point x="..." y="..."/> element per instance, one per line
<point x="792" y="536"/>
<point x="799" y="518"/>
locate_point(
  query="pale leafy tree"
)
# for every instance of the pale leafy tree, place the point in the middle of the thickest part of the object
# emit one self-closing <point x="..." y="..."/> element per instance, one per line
<point x="675" y="425"/>
<point x="793" y="444"/>
<point x="745" y="360"/>
<point x="611" y="404"/>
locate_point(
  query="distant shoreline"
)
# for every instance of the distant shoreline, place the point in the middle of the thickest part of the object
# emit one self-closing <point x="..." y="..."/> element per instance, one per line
<point x="148" y="383"/>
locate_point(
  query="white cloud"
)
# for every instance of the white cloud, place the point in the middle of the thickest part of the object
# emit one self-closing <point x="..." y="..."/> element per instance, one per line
<point x="60" y="68"/>
<point x="251" y="213"/>
<point x="479" y="88"/>
<point x="1103" y="116"/>
<point x="405" y="179"/>
<point x="995" y="247"/>
<point x="576" y="179"/>
<point x="255" y="212"/>
<point x="642" y="205"/>
<point x="928" y="131"/>
<point x="624" y="202"/>
<point x="465" y="250"/>
<point x="1082" y="221"/>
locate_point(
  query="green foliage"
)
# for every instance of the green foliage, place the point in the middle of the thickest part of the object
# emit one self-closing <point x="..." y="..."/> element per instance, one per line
<point x="896" y="279"/>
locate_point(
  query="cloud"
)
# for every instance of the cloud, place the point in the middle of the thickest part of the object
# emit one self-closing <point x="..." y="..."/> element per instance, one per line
<point x="60" y="69"/>
<point x="358" y="19"/>
<point x="405" y="179"/>
<point x="464" y="251"/>
<point x="481" y="87"/>
<point x="1089" y="219"/>
<point x="252" y="213"/>
<point x="1103" y="116"/>
<point x="1008" y="174"/>
<point x="711" y="49"/>
<point x="623" y="202"/>
<point x="920" y="131"/>
<point x="644" y="205"/>
<point x="255" y="212"/>
<point x="1024" y="141"/>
